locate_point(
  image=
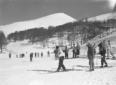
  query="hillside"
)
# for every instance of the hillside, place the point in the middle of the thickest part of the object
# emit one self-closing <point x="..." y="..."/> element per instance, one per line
<point x="50" y="20"/>
<point x="103" y="17"/>
<point x="85" y="30"/>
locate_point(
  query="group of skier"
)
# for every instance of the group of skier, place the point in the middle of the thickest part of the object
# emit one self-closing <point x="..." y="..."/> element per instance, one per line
<point x="31" y="55"/>
<point x="75" y="51"/>
<point x="104" y="48"/>
<point x="61" y="54"/>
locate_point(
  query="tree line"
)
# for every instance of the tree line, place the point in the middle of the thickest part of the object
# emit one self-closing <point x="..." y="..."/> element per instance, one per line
<point x="86" y="29"/>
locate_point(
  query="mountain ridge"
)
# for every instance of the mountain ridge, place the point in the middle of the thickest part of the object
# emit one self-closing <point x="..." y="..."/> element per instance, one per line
<point x="103" y="17"/>
<point x="50" y="20"/>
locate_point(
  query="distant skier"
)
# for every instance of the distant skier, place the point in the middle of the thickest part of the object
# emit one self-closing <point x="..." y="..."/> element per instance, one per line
<point x="91" y="55"/>
<point x="74" y="51"/>
<point x="109" y="50"/>
<point x="10" y="55"/>
<point x="61" y="59"/>
<point x="48" y="53"/>
<point x="41" y="54"/>
<point x="102" y="51"/>
<point x="66" y="52"/>
<point x="35" y="54"/>
<point x="77" y="50"/>
<point x="31" y="57"/>
<point x="56" y="52"/>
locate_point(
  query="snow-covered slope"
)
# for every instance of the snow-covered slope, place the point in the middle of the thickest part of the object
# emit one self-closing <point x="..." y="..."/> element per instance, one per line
<point x="103" y="17"/>
<point x="50" y="20"/>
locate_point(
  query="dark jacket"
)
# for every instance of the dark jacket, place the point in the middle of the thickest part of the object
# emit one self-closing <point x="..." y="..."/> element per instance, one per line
<point x="91" y="51"/>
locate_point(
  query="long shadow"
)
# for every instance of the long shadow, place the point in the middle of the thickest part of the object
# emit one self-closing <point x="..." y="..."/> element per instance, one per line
<point x="96" y="67"/>
<point x="51" y="71"/>
<point x="48" y="71"/>
<point x="76" y="58"/>
<point x="41" y="71"/>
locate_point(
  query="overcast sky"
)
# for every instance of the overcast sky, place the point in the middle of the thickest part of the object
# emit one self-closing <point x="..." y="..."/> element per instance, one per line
<point x="21" y="10"/>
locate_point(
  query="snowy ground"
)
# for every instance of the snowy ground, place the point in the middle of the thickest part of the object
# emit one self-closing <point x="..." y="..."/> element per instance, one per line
<point x="20" y="71"/>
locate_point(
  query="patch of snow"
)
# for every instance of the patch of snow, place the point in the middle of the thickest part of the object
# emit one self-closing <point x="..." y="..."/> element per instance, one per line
<point x="103" y="17"/>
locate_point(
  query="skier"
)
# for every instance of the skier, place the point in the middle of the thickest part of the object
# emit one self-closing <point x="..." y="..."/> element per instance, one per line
<point x="41" y="54"/>
<point x="77" y="50"/>
<point x="74" y="51"/>
<point x="48" y="53"/>
<point x="102" y="51"/>
<point x="91" y="55"/>
<point x="56" y="52"/>
<point x="10" y="55"/>
<point x="66" y="52"/>
<point x="35" y="54"/>
<point x="109" y="52"/>
<point x="61" y="59"/>
<point x="31" y="57"/>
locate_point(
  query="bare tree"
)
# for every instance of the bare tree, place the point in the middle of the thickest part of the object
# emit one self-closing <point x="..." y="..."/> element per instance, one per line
<point x="3" y="40"/>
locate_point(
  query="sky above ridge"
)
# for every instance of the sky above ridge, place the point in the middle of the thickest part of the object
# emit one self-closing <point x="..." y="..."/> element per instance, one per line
<point x="23" y="10"/>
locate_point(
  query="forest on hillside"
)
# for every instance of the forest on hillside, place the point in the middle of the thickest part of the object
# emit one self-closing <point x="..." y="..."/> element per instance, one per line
<point x="86" y="29"/>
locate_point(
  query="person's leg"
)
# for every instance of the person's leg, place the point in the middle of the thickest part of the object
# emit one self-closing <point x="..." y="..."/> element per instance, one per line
<point x="92" y="64"/>
<point x="104" y="60"/>
<point x="60" y="63"/>
<point x="73" y="54"/>
<point x="89" y="64"/>
<point x="77" y="53"/>
<point x="30" y="59"/>
<point x="67" y="55"/>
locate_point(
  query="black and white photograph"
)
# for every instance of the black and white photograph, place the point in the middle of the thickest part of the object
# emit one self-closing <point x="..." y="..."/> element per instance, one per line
<point x="57" y="42"/>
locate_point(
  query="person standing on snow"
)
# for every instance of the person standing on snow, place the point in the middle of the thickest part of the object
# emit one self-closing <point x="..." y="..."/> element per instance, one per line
<point x="56" y="52"/>
<point x="10" y="55"/>
<point x="91" y="55"/>
<point x="109" y="51"/>
<point x="77" y="50"/>
<point x="41" y="54"/>
<point x="102" y="51"/>
<point x="74" y="51"/>
<point x="31" y="57"/>
<point x="48" y="53"/>
<point x="61" y="59"/>
<point x="66" y="52"/>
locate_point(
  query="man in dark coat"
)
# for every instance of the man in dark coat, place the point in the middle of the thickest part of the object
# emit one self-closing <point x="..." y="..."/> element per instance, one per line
<point x="91" y="55"/>
<point x="102" y="52"/>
